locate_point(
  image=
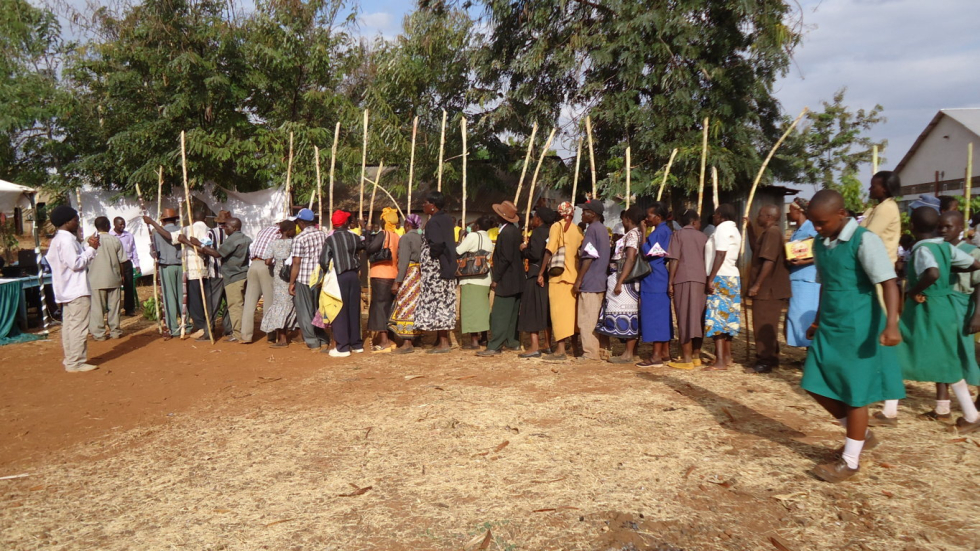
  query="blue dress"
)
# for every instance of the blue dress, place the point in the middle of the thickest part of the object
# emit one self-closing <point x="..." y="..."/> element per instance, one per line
<point x="805" y="301"/>
<point x="656" y="323"/>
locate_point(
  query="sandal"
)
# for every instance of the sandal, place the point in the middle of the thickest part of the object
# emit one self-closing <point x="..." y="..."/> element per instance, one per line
<point x="403" y="350"/>
<point x="279" y="345"/>
<point x="649" y="364"/>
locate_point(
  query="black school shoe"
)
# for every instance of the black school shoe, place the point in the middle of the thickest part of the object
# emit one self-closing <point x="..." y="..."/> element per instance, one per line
<point x="759" y="368"/>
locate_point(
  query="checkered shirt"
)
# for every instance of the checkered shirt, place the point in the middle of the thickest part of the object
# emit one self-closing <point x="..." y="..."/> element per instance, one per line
<point x="307" y="246"/>
<point x="260" y="247"/>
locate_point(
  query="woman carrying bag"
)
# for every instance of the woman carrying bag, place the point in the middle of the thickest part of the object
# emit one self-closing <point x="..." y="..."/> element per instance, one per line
<point x="383" y="254"/>
<point x="475" y="290"/>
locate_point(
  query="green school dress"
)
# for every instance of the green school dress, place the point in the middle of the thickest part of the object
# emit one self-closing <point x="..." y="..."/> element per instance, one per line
<point x="933" y="348"/>
<point x="846" y="361"/>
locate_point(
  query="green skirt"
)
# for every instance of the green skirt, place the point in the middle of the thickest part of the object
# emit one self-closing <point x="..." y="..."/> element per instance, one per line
<point x="930" y="352"/>
<point x="474" y="308"/>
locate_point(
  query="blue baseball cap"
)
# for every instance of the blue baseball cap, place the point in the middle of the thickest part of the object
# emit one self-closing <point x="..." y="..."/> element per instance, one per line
<point x="305" y="215"/>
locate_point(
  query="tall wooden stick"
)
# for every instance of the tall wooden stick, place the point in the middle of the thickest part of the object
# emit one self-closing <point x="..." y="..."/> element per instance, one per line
<point x="534" y="180"/>
<point x="411" y="165"/>
<point x="319" y="187"/>
<point x="390" y="196"/>
<point x="81" y="217"/>
<point x="190" y="220"/>
<point x="968" y="184"/>
<point x="183" y="279"/>
<point x="874" y="159"/>
<point x="704" y="159"/>
<point x="578" y="164"/>
<point x="374" y="192"/>
<point x="588" y="128"/>
<point x="714" y="186"/>
<point x="161" y="311"/>
<point x="762" y="170"/>
<point x="663" y="183"/>
<point x="628" y="161"/>
<point x="333" y="163"/>
<point x="360" y="204"/>
<point x="153" y="251"/>
<point x="527" y="161"/>
<point x="289" y="176"/>
<point x="462" y="128"/>
<point x="442" y="149"/>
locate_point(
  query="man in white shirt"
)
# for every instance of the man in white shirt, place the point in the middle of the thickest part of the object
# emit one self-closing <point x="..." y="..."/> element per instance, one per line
<point x="69" y="263"/>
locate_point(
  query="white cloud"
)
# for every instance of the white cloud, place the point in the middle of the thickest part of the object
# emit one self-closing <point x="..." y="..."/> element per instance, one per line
<point x="912" y="57"/>
<point x="377" y="23"/>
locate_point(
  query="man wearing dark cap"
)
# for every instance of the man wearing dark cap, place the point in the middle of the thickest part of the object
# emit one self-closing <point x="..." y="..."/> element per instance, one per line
<point x="507" y="280"/>
<point x="591" y="283"/>
<point x="69" y="263"/>
<point x="171" y="272"/>
<point x="306" y="250"/>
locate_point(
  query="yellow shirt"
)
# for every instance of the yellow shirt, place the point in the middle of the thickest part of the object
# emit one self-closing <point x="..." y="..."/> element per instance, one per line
<point x="571" y="239"/>
<point x="456" y="231"/>
<point x="885" y="221"/>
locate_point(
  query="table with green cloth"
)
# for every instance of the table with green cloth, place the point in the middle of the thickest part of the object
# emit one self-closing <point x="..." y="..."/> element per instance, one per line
<point x="13" y="307"/>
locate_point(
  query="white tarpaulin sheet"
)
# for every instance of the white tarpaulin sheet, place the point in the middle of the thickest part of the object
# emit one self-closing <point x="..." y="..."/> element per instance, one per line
<point x="13" y="196"/>
<point x="256" y="210"/>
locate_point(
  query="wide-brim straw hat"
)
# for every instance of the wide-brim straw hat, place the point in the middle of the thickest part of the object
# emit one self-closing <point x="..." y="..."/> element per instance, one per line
<point x="507" y="211"/>
<point x="169" y="214"/>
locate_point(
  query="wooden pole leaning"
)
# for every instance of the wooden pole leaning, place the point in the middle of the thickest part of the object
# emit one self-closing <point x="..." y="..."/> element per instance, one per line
<point x="762" y="170"/>
<point x="374" y="193"/>
<point x="588" y="128"/>
<point x="527" y="161"/>
<point x="318" y="195"/>
<point x="704" y="160"/>
<point x="289" y="176"/>
<point x="360" y="204"/>
<point x="81" y="217"/>
<point x="333" y="164"/>
<point x="442" y="150"/>
<point x="183" y="271"/>
<point x="462" y="128"/>
<point x="385" y="191"/>
<point x="156" y="260"/>
<point x="874" y="159"/>
<point x="714" y="186"/>
<point x="190" y="220"/>
<point x="411" y="165"/>
<point x="628" y="161"/>
<point x="534" y="181"/>
<point x="156" y="266"/>
<point x="663" y="183"/>
<point x="968" y="182"/>
<point x="578" y="164"/>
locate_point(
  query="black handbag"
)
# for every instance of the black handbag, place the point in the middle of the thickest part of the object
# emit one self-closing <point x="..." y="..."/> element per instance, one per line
<point x="383" y="254"/>
<point x="285" y="272"/>
<point x="474" y="264"/>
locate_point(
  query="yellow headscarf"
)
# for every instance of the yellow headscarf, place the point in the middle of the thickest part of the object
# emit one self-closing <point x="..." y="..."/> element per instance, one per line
<point x="390" y="217"/>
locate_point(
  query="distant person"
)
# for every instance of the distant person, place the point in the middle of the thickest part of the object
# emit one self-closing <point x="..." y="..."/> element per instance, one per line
<point x="279" y="312"/>
<point x="656" y="324"/>
<point x="171" y="273"/>
<point x="686" y="287"/>
<point x="884" y="219"/>
<point x="722" y="314"/>
<point x="590" y="286"/>
<point x="436" y="310"/>
<point x="233" y="254"/>
<point x="507" y="274"/>
<point x="805" y="288"/>
<point x="307" y="247"/>
<point x="130" y="268"/>
<point x="340" y="252"/>
<point x="770" y="288"/>
<point x="261" y="275"/>
<point x="948" y="203"/>
<point x="69" y="262"/>
<point x="105" y="277"/>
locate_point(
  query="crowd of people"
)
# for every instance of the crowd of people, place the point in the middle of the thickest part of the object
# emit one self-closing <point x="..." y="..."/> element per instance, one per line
<point x="572" y="288"/>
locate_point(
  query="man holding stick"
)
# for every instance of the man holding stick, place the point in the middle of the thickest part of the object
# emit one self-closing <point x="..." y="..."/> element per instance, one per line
<point x="233" y="254"/>
<point x="171" y="273"/>
<point x="192" y="237"/>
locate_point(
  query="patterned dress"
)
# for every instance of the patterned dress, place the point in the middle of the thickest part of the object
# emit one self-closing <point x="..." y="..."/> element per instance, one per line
<point x="436" y="310"/>
<point x="620" y="314"/>
<point x="280" y="312"/>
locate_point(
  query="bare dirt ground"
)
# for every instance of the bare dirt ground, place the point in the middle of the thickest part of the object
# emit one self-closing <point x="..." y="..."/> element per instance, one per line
<point x="183" y="445"/>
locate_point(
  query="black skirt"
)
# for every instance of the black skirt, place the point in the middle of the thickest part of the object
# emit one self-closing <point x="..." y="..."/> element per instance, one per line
<point x="382" y="301"/>
<point x="535" y="314"/>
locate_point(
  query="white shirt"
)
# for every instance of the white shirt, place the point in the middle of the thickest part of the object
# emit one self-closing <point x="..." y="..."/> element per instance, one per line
<point x="195" y="262"/>
<point x="473" y="242"/>
<point x="69" y="266"/>
<point x="725" y="238"/>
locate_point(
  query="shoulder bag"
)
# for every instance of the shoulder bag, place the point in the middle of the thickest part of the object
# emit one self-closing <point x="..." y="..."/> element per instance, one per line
<point x="475" y="263"/>
<point x="383" y="254"/>
<point x="556" y="266"/>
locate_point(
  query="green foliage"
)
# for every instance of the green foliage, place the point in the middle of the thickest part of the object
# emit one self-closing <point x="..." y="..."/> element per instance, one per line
<point x="850" y="187"/>
<point x="150" y="309"/>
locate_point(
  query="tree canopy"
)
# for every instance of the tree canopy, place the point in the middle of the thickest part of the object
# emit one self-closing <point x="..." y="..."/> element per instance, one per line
<point x="107" y="107"/>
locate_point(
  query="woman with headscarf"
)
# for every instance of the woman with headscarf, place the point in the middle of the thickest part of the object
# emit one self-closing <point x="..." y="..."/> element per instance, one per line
<point x="566" y="237"/>
<point x="474" y="307"/>
<point x="805" y="301"/>
<point x="535" y="312"/>
<point x="620" y="315"/>
<point x="407" y="286"/>
<point x="382" y="275"/>
<point x="437" y="303"/>
<point x="279" y="312"/>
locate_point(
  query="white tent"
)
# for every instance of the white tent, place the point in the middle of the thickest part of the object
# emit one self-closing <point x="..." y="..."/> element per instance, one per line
<point x="13" y="196"/>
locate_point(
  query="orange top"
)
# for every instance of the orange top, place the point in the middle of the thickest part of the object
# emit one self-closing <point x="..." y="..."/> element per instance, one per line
<point x="389" y="268"/>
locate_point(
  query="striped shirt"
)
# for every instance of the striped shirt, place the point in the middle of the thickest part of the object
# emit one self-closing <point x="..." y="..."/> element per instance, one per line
<point x="260" y="247"/>
<point x="341" y="248"/>
<point x="307" y="246"/>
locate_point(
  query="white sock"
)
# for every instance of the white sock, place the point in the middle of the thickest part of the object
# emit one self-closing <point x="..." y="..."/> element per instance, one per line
<point x="843" y="422"/>
<point x="852" y="452"/>
<point x="942" y="407"/>
<point x="891" y="409"/>
<point x="962" y="393"/>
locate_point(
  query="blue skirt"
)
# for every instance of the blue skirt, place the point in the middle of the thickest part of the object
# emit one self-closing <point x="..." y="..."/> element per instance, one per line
<point x="656" y="322"/>
<point x="802" y="311"/>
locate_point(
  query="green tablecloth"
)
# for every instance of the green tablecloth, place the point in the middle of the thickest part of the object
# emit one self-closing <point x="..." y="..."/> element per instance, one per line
<point x="10" y="294"/>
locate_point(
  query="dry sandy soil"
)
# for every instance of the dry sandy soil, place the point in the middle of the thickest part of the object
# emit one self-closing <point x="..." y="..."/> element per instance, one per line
<point x="187" y="445"/>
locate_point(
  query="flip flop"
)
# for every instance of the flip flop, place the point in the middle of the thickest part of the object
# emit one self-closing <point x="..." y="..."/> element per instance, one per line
<point x="681" y="365"/>
<point x="403" y="351"/>
<point x="438" y="351"/>
<point x="279" y="345"/>
<point x="649" y="364"/>
<point x="697" y="362"/>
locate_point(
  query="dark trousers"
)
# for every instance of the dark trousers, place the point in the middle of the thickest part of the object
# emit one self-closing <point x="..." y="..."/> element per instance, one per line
<point x="196" y="306"/>
<point x="765" y="328"/>
<point x="503" y="322"/>
<point x="218" y="293"/>
<point x="130" y="299"/>
<point x="306" y="300"/>
<point x="347" y="326"/>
